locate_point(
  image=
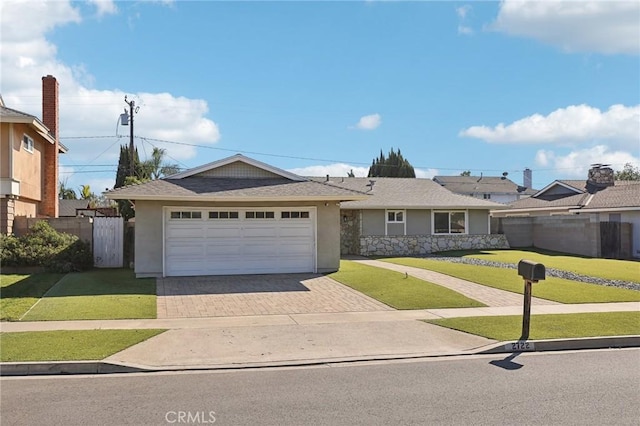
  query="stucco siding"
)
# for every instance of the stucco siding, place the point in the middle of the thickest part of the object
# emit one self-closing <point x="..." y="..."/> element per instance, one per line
<point x="373" y="222"/>
<point x="149" y="233"/>
<point x="27" y="166"/>
<point x="4" y="151"/>
<point x="478" y="222"/>
<point x="418" y="222"/>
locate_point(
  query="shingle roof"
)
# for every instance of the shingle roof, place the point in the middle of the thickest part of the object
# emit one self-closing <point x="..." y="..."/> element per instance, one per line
<point x="67" y="208"/>
<point x="214" y="188"/>
<point x="6" y="113"/>
<point x="482" y="184"/>
<point x="406" y="193"/>
<point x="624" y="194"/>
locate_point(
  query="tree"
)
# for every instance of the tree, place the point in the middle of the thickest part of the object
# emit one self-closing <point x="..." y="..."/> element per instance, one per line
<point x="155" y="167"/>
<point x="466" y="173"/>
<point x="395" y="165"/>
<point x="123" y="178"/>
<point x="86" y="194"/>
<point x="66" y="193"/>
<point x="628" y="173"/>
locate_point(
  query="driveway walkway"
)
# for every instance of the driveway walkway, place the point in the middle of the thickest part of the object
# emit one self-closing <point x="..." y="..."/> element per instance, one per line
<point x="487" y="295"/>
<point x="240" y="295"/>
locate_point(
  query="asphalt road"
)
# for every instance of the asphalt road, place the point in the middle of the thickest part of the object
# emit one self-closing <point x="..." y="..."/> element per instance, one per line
<point x="588" y="387"/>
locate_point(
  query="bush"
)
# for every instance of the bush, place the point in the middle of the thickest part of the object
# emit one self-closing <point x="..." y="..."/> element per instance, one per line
<point x="46" y="247"/>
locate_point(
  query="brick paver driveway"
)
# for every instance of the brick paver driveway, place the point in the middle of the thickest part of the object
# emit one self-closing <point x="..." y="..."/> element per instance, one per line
<point x="237" y="295"/>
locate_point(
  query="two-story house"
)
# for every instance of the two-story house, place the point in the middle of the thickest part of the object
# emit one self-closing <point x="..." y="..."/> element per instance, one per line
<point x="29" y="149"/>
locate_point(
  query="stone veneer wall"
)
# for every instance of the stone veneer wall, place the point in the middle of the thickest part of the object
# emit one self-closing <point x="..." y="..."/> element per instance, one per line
<point x="417" y="245"/>
<point x="349" y="231"/>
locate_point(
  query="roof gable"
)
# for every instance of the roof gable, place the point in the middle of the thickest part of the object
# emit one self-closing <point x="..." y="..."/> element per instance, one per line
<point x="481" y="184"/>
<point x="557" y="189"/>
<point x="238" y="167"/>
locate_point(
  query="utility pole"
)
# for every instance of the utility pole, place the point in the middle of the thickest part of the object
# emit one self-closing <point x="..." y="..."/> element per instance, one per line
<point x="131" y="104"/>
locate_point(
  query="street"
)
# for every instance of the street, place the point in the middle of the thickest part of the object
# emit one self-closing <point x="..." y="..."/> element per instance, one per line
<point x="587" y="387"/>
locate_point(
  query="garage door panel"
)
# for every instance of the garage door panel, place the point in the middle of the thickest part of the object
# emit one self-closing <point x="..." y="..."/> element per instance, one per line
<point x="239" y="246"/>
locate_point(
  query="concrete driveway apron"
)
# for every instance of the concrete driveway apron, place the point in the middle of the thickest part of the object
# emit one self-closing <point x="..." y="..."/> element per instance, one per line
<point x="238" y="295"/>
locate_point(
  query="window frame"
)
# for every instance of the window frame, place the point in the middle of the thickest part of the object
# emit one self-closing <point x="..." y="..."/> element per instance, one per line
<point x="28" y="144"/>
<point x="449" y="214"/>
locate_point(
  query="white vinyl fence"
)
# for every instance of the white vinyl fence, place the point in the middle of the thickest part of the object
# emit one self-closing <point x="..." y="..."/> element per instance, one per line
<point x="108" y="244"/>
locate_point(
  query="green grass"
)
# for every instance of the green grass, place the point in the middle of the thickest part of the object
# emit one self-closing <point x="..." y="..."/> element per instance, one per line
<point x="555" y="326"/>
<point x="625" y="270"/>
<point x="66" y="345"/>
<point x="97" y="294"/>
<point x="18" y="293"/>
<point x="556" y="289"/>
<point x="393" y="289"/>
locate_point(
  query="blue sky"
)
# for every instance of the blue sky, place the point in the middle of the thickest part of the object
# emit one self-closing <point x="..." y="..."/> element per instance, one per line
<point x="321" y="87"/>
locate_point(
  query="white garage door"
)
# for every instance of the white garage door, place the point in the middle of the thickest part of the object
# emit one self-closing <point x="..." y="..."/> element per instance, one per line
<point x="239" y="241"/>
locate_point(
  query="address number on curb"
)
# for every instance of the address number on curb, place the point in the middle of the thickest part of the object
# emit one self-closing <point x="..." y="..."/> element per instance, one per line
<point x="520" y="346"/>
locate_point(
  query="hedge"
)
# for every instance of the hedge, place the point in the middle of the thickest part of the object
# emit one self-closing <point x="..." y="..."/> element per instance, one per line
<point x="46" y="247"/>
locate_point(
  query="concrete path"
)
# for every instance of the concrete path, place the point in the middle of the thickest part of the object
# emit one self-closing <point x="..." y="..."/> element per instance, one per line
<point x="487" y="295"/>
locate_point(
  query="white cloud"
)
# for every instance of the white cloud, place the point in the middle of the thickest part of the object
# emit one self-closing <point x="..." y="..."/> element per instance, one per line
<point x="104" y="7"/>
<point x="608" y="27"/>
<point x="333" y="170"/>
<point x="369" y="122"/>
<point x="27" y="55"/>
<point x="619" y="126"/>
<point x="342" y="170"/>
<point x="576" y="163"/>
<point x="462" y="11"/>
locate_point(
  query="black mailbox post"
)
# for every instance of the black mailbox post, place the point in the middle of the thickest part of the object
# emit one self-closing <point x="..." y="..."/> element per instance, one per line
<point x="531" y="272"/>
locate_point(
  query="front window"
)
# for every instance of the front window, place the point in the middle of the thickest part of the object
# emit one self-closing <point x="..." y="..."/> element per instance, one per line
<point x="449" y="223"/>
<point x="395" y="216"/>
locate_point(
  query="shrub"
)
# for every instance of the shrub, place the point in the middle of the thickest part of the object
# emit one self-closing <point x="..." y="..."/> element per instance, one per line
<point x="46" y="247"/>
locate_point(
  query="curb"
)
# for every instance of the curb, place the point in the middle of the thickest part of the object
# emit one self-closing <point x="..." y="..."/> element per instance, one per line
<point x="563" y="344"/>
<point x="9" y="369"/>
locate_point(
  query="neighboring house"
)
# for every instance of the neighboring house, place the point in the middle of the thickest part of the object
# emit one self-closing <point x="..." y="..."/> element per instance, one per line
<point x="409" y="216"/>
<point x="235" y="216"/>
<point x="598" y="199"/>
<point x="82" y="208"/>
<point x="494" y="188"/>
<point x="29" y="149"/>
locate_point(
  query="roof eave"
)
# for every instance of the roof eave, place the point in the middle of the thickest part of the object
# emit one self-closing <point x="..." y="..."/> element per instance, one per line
<point x="200" y="198"/>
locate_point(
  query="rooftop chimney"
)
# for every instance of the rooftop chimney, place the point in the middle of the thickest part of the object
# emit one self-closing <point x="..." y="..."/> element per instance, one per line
<point x="600" y="176"/>
<point x="49" y="205"/>
<point x="527" y="180"/>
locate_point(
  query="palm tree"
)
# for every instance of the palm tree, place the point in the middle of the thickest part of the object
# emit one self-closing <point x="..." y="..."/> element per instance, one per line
<point x="155" y="167"/>
<point x="86" y="194"/>
<point x="66" y="193"/>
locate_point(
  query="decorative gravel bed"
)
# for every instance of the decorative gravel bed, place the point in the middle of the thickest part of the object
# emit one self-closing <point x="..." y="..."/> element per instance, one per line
<point x="550" y="271"/>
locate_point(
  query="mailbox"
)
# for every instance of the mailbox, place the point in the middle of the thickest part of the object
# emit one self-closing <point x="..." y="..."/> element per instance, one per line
<point x="531" y="271"/>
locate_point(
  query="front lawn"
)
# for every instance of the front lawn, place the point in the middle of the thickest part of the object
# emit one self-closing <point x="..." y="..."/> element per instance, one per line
<point x="396" y="290"/>
<point x="18" y="293"/>
<point x="557" y="289"/>
<point x="611" y="269"/>
<point x="66" y="345"/>
<point x="97" y="294"/>
<point x="557" y="326"/>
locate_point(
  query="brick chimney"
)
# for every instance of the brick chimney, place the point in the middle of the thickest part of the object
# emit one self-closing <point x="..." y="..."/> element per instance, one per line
<point x="600" y="176"/>
<point x="49" y="205"/>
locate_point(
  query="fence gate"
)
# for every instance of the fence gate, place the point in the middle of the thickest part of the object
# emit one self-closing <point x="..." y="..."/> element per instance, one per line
<point x="610" y="239"/>
<point x="108" y="242"/>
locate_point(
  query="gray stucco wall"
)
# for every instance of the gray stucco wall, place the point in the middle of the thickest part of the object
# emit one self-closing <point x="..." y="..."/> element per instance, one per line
<point x="395" y="229"/>
<point x="373" y="222"/>
<point x="149" y="233"/>
<point x="478" y="222"/>
<point x="418" y="222"/>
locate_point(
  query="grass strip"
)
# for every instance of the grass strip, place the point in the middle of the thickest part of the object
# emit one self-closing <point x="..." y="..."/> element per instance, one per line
<point x="548" y="326"/>
<point x="98" y="294"/>
<point x="400" y="292"/>
<point x="19" y="292"/>
<point x="611" y="269"/>
<point x="556" y="289"/>
<point x="69" y="345"/>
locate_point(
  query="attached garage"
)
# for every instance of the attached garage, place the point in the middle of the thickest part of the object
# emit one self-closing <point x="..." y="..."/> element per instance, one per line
<point x="235" y="216"/>
<point x="239" y="241"/>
